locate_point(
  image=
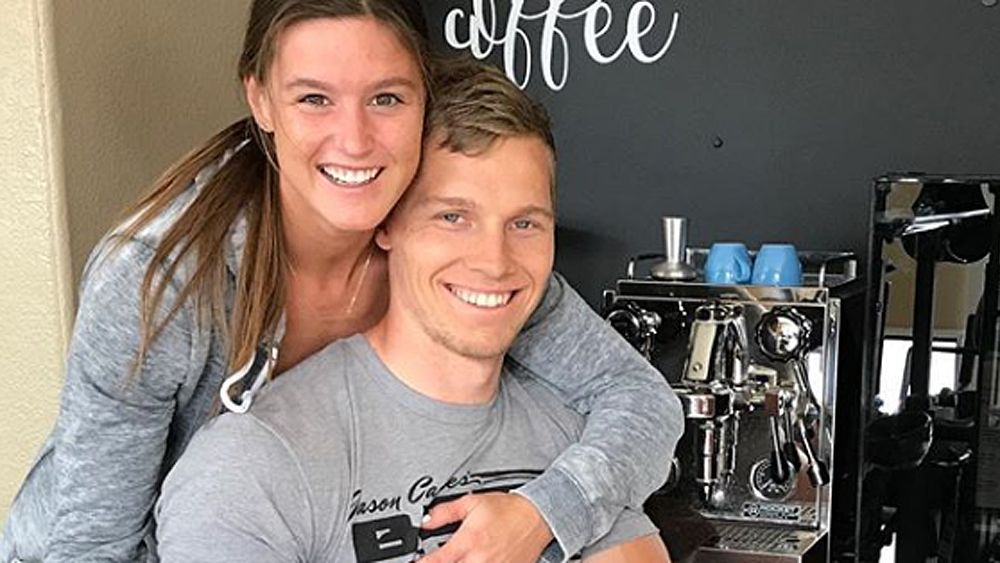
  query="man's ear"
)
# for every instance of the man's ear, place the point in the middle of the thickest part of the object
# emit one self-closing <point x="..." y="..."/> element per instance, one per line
<point x="259" y="103"/>
<point x="382" y="238"/>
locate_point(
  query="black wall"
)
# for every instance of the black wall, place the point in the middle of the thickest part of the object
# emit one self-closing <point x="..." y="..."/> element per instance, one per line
<point x="764" y="121"/>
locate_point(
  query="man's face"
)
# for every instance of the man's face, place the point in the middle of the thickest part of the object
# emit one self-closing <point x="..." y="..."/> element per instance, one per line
<point x="472" y="243"/>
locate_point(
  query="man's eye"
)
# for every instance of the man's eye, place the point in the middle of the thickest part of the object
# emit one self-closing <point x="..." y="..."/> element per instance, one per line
<point x="386" y="100"/>
<point x="524" y="224"/>
<point x="318" y="100"/>
<point x="451" y="217"/>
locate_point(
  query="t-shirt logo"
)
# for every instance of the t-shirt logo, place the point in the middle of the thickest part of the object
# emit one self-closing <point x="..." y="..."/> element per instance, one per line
<point x="395" y="536"/>
<point x="385" y="538"/>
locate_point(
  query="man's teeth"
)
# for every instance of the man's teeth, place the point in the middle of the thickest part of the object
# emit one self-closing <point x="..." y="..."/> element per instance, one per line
<point x="488" y="300"/>
<point x="350" y="177"/>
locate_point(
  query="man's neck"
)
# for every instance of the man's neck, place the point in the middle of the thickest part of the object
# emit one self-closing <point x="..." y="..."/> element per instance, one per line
<point x="431" y="368"/>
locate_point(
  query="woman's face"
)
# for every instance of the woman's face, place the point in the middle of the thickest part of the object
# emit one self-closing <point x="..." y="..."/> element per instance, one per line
<point x="345" y="101"/>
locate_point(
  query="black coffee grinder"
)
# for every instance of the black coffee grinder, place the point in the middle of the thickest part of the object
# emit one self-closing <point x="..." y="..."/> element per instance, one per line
<point x="930" y="472"/>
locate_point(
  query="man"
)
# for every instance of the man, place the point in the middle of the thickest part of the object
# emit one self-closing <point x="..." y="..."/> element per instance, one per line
<point x="346" y="453"/>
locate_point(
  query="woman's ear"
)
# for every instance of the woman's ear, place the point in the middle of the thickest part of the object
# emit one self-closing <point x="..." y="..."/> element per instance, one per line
<point x="382" y="238"/>
<point x="259" y="103"/>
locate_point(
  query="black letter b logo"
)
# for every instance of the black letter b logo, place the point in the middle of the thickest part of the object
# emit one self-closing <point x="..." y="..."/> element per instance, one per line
<point x="377" y="540"/>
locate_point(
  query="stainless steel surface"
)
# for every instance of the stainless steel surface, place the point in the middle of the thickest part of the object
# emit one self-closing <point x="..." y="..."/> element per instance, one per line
<point x="675" y="267"/>
<point x="718" y="345"/>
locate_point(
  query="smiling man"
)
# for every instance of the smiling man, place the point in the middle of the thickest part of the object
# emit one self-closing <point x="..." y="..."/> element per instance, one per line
<point x="344" y="455"/>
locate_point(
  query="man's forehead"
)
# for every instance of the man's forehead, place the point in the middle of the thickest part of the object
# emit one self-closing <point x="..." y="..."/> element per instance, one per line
<point x="440" y="162"/>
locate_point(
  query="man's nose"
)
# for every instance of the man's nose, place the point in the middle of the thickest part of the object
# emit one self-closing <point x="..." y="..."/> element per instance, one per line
<point x="354" y="134"/>
<point x="491" y="254"/>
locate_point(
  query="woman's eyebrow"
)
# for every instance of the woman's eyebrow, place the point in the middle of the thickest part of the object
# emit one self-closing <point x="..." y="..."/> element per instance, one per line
<point x="308" y="83"/>
<point x="395" y="81"/>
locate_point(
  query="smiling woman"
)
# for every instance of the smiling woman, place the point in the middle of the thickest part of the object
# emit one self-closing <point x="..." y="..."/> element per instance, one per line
<point x="346" y="117"/>
<point x="259" y="244"/>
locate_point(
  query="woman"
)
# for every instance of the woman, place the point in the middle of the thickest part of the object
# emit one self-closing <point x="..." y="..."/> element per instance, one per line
<point x="256" y="250"/>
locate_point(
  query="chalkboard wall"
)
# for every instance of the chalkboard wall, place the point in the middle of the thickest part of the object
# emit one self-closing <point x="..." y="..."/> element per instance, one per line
<point x="759" y="121"/>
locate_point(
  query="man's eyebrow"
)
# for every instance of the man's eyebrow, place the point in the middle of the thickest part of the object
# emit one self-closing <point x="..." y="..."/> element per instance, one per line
<point x="464" y="203"/>
<point x="539" y="210"/>
<point x="431" y="200"/>
<point x="394" y="81"/>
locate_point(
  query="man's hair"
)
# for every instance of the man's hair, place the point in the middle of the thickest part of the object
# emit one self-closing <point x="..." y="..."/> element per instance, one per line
<point x="475" y="104"/>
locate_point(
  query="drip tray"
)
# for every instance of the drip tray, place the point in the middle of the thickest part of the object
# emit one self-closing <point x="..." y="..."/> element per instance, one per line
<point x="743" y="543"/>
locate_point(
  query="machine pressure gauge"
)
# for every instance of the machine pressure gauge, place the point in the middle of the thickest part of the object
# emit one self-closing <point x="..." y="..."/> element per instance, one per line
<point x="763" y="485"/>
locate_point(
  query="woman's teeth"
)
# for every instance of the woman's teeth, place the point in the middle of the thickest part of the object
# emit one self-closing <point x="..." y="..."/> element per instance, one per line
<point x="348" y="177"/>
<point x="479" y="299"/>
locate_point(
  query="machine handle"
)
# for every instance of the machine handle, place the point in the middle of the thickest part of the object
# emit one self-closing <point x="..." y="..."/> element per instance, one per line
<point x="791" y="451"/>
<point x="779" y="465"/>
<point x="817" y="470"/>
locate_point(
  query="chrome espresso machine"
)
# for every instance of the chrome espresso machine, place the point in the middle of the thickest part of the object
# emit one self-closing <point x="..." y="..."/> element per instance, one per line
<point x="758" y="475"/>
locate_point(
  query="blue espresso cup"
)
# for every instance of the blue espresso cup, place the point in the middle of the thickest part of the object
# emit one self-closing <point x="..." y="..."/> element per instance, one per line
<point x="728" y="263"/>
<point x="777" y="264"/>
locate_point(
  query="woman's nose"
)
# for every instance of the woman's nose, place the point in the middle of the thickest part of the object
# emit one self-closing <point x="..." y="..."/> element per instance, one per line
<point x="354" y="134"/>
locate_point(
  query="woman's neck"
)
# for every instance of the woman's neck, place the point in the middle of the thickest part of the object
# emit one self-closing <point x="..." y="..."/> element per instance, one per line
<point x="318" y="251"/>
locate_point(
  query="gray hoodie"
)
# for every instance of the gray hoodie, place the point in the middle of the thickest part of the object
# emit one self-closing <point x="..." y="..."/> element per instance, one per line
<point x="90" y="493"/>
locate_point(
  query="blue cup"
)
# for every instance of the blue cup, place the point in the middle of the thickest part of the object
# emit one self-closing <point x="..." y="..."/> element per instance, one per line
<point x="728" y="263"/>
<point x="777" y="264"/>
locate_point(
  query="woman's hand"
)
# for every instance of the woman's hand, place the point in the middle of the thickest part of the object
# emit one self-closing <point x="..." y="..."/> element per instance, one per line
<point x="496" y="528"/>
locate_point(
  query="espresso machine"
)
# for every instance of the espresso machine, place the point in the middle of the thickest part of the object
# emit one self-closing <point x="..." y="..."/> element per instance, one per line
<point x="756" y="369"/>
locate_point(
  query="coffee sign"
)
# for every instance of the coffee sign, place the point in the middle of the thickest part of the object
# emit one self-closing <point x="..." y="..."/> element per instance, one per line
<point x="477" y="28"/>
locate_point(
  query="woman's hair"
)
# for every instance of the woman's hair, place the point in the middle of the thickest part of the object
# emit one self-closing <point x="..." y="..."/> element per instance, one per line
<point x="245" y="183"/>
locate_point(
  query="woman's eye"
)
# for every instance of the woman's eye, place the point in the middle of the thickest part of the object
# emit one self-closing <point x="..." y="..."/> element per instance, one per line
<point x="314" y="100"/>
<point x="451" y="217"/>
<point x="386" y="100"/>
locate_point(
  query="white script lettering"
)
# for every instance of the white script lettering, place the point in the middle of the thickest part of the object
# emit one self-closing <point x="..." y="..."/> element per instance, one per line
<point x="479" y="24"/>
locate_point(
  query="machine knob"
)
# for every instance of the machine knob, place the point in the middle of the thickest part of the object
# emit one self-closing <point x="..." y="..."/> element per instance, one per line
<point x="637" y="325"/>
<point x="783" y="334"/>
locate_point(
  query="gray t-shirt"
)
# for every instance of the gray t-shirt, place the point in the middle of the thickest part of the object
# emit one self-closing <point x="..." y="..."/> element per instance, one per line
<point x="339" y="460"/>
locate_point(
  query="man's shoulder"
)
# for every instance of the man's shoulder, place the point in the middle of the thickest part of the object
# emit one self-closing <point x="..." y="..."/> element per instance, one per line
<point x="311" y="404"/>
<point x="237" y="488"/>
<point x="284" y="462"/>
<point x="534" y="391"/>
<point x="541" y="409"/>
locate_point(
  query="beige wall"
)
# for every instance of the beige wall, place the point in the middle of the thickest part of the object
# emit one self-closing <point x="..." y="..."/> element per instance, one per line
<point x="140" y="83"/>
<point x="34" y="264"/>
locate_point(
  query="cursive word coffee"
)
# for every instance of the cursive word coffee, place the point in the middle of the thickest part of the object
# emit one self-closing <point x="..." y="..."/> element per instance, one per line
<point x="476" y="28"/>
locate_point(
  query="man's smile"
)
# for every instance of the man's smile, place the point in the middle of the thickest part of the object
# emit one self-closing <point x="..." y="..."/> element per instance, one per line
<point x="479" y="298"/>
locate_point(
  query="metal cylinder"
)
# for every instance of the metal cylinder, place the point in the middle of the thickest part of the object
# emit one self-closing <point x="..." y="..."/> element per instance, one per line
<point x="675" y="239"/>
<point x="675" y="267"/>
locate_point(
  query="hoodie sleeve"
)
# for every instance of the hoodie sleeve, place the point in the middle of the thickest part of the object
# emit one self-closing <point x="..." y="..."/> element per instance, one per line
<point x="633" y="423"/>
<point x="114" y="420"/>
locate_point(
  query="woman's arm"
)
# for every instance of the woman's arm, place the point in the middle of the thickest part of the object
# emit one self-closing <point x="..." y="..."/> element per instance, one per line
<point x="634" y="420"/>
<point x="113" y="425"/>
